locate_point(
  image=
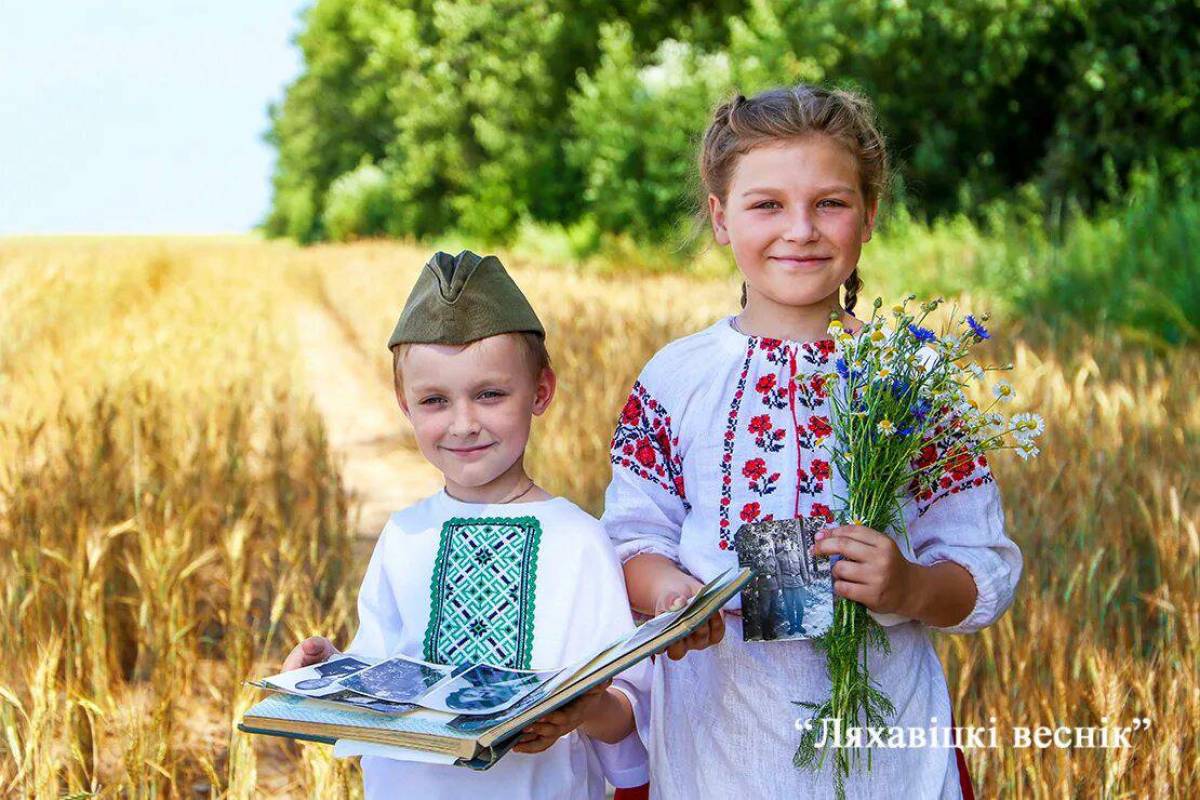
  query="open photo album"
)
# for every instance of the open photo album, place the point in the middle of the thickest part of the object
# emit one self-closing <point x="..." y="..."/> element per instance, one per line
<point x="472" y="713"/>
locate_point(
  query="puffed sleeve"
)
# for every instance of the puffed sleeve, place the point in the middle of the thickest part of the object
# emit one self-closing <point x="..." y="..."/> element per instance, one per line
<point x="379" y="623"/>
<point x="645" y="503"/>
<point x="960" y="518"/>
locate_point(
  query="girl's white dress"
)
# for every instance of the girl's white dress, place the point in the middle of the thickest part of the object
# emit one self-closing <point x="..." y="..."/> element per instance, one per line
<point x="715" y="433"/>
<point x="528" y="586"/>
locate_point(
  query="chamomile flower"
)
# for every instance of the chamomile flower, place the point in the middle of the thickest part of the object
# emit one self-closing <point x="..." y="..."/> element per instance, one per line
<point x="949" y="343"/>
<point x="1027" y="426"/>
<point x="898" y="310"/>
<point x="1003" y="391"/>
<point x="835" y="327"/>
<point x="976" y="371"/>
<point x="1027" y="450"/>
<point x="883" y="373"/>
<point x="878" y="335"/>
<point x="886" y="427"/>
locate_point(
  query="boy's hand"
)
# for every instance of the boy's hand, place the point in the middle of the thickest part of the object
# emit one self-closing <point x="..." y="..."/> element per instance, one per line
<point x="871" y="570"/>
<point x="675" y="594"/>
<point x="550" y="728"/>
<point x="312" y="650"/>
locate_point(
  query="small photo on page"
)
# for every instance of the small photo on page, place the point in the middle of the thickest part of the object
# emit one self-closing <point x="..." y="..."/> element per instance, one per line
<point x="484" y="689"/>
<point x="397" y="680"/>
<point x="791" y="593"/>
<point x="318" y="680"/>
<point x="371" y="703"/>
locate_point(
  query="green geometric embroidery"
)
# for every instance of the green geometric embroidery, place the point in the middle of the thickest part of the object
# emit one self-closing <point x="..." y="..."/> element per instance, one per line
<point x="482" y="592"/>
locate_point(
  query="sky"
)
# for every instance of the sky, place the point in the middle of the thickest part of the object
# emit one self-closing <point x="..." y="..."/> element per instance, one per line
<point x="132" y="116"/>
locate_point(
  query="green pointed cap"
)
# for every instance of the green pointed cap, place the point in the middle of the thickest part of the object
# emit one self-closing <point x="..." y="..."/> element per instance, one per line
<point x="459" y="299"/>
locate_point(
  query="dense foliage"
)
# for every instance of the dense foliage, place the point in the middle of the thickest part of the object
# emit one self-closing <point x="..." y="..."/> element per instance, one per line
<point x="474" y="118"/>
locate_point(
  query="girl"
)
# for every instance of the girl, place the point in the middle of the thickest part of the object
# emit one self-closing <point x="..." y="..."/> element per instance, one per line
<point x="731" y="425"/>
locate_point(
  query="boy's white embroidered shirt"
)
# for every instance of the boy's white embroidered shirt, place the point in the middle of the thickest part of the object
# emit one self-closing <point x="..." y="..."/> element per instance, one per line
<point x="723" y="428"/>
<point x="524" y="585"/>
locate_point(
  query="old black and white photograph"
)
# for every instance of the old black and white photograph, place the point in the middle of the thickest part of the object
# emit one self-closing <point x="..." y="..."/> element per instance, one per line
<point x="318" y="680"/>
<point x="397" y="680"/>
<point x="485" y="689"/>
<point x="791" y="594"/>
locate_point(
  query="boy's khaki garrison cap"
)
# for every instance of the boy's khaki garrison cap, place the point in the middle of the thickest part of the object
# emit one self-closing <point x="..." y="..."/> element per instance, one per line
<point x="459" y="299"/>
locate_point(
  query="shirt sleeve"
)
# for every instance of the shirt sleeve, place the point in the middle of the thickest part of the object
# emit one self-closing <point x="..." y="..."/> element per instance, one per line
<point x="601" y="615"/>
<point x="645" y="502"/>
<point x="379" y="623"/>
<point x="960" y="518"/>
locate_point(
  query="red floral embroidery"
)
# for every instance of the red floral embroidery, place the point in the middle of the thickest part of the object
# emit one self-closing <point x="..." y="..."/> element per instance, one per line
<point x="819" y="426"/>
<point x="645" y="453"/>
<point x="750" y="512"/>
<point x="725" y="541"/>
<point x="755" y="468"/>
<point x="643" y="443"/>
<point x="632" y="413"/>
<point x="957" y="468"/>
<point x="821" y="510"/>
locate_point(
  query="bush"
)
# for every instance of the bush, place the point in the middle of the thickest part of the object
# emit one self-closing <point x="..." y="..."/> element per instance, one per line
<point x="636" y="132"/>
<point x="359" y="203"/>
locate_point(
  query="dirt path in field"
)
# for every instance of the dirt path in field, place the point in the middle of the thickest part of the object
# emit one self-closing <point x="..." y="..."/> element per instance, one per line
<point x="365" y="427"/>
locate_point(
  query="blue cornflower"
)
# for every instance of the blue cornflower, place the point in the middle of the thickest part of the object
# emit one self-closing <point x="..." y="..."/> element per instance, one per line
<point x="922" y="408"/>
<point x="922" y="334"/>
<point x="980" y="331"/>
<point x="842" y="369"/>
<point x="899" y="387"/>
<point x="905" y="431"/>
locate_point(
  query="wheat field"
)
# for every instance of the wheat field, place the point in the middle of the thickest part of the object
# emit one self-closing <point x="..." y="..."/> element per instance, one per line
<point x="172" y="516"/>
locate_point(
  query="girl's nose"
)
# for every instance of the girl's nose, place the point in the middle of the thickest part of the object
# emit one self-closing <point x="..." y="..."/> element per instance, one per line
<point x="801" y="227"/>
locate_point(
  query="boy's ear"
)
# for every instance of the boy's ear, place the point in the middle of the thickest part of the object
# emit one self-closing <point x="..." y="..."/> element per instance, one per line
<point x="400" y="399"/>
<point x="546" y="384"/>
<point x="716" y="214"/>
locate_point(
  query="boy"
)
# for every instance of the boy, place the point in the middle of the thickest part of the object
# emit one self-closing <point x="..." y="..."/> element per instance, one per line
<point x="493" y="568"/>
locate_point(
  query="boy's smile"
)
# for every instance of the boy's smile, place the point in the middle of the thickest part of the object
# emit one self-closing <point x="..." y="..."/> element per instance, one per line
<point x="471" y="409"/>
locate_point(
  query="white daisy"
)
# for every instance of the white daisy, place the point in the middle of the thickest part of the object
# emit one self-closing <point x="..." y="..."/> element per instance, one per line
<point x="976" y="371"/>
<point x="1027" y="450"/>
<point x="1003" y="391"/>
<point x="1027" y="426"/>
<point x="886" y="427"/>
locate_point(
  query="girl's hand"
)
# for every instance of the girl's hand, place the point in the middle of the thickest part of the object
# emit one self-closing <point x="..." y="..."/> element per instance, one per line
<point x="871" y="571"/>
<point x="546" y="731"/>
<point x="675" y="593"/>
<point x="312" y="650"/>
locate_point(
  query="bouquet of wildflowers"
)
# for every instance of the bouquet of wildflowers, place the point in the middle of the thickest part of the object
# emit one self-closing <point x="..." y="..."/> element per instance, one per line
<point x="901" y="419"/>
